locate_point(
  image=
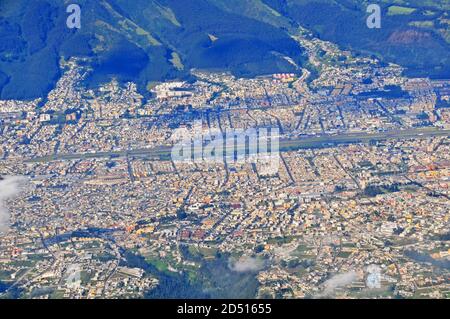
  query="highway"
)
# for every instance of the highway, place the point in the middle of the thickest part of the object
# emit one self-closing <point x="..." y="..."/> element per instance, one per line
<point x="304" y="142"/>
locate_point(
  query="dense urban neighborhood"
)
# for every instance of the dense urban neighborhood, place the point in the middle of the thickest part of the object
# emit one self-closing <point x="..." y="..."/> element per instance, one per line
<point x="356" y="207"/>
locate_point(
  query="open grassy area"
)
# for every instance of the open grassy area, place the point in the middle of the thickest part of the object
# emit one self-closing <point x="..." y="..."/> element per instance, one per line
<point x="176" y="61"/>
<point x="422" y="24"/>
<point x="158" y="263"/>
<point x="398" y="10"/>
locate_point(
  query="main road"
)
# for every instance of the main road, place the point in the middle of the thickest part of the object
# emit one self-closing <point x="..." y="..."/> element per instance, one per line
<point x="285" y="144"/>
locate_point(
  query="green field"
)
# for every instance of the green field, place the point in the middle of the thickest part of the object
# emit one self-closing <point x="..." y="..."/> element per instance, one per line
<point x="397" y="10"/>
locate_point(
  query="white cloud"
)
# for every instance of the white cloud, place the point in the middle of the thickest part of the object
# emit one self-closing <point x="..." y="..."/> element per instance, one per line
<point x="9" y="187"/>
<point x="246" y="264"/>
<point x="339" y="280"/>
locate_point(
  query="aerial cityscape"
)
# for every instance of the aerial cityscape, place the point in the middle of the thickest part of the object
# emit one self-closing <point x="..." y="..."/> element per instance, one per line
<point x="344" y="193"/>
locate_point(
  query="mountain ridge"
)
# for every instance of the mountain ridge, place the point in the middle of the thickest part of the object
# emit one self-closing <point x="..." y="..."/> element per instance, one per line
<point x="140" y="41"/>
<point x="146" y="41"/>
